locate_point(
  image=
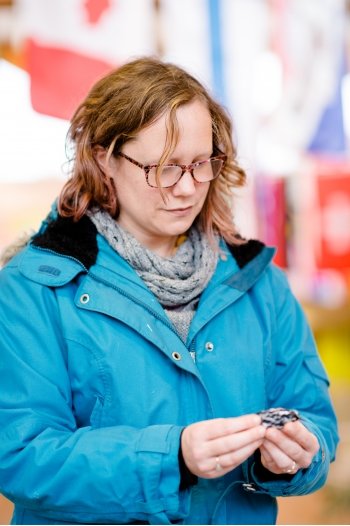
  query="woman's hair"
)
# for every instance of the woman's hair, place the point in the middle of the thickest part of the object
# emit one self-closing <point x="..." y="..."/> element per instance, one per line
<point x="120" y="105"/>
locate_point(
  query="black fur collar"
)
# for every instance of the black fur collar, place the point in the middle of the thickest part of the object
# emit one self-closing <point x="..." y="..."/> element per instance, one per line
<point x="246" y="252"/>
<point x="77" y="239"/>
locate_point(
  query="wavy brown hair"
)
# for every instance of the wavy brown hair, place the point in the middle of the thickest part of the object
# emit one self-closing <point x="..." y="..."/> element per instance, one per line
<point x="120" y="105"/>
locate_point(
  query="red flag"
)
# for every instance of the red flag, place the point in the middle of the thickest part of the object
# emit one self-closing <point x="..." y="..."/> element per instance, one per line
<point x="70" y="44"/>
<point x="333" y="189"/>
<point x="60" y="78"/>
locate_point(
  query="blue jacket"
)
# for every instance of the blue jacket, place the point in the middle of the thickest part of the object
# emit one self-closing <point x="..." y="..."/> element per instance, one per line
<point x="96" y="386"/>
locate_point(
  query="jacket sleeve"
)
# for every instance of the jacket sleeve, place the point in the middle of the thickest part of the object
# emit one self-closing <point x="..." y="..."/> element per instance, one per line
<point x="296" y="379"/>
<point x="49" y="465"/>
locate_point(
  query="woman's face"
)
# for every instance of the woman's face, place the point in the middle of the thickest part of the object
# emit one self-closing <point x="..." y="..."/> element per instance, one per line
<point x="156" y="223"/>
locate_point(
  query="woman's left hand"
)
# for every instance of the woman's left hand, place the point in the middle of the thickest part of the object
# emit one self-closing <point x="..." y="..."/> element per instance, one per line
<point x="288" y="449"/>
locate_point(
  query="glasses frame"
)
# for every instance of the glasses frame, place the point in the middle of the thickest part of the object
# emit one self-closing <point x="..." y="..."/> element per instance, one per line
<point x="184" y="167"/>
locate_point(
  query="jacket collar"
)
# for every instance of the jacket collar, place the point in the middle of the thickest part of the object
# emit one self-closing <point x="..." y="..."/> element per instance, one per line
<point x="78" y="240"/>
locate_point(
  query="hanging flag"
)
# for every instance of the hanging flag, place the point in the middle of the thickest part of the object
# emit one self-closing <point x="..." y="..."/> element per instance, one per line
<point x="333" y="191"/>
<point x="71" y="43"/>
<point x="330" y="136"/>
<point x="273" y="214"/>
<point x="311" y="54"/>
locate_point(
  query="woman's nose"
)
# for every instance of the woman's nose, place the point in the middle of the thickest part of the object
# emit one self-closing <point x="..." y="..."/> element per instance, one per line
<point x="186" y="185"/>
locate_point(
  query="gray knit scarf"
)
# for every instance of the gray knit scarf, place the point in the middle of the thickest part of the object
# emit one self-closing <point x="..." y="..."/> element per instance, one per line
<point x="177" y="281"/>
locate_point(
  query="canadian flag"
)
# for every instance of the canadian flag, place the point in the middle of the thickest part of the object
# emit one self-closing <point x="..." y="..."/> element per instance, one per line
<point x="69" y="44"/>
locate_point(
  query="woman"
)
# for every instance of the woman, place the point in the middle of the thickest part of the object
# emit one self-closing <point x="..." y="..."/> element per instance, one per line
<point x="140" y="334"/>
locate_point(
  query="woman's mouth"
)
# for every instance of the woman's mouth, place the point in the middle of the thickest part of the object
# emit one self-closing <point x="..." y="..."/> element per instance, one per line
<point x="181" y="211"/>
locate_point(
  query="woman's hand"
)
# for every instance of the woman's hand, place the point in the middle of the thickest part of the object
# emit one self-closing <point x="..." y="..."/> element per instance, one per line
<point x="289" y="449"/>
<point x="212" y="448"/>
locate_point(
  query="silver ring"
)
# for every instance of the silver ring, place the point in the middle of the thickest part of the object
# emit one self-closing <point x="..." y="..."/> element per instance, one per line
<point x="218" y="466"/>
<point x="292" y="468"/>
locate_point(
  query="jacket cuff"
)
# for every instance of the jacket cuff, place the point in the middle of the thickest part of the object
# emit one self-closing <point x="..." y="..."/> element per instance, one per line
<point x="159" y="467"/>
<point x="303" y="482"/>
<point x="187" y="478"/>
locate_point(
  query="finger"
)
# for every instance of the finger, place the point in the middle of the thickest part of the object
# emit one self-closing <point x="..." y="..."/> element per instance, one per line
<point x="276" y="458"/>
<point x="230" y="443"/>
<point x="284" y="442"/>
<point x="233" y="459"/>
<point x="300" y="434"/>
<point x="266" y="459"/>
<point x="219" y="427"/>
<point x="291" y="447"/>
<point x="265" y="454"/>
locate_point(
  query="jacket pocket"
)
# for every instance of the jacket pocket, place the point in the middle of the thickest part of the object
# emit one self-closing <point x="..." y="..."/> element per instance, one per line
<point x="314" y="365"/>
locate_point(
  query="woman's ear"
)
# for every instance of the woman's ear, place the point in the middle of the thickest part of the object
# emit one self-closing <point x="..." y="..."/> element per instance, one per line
<point x="100" y="155"/>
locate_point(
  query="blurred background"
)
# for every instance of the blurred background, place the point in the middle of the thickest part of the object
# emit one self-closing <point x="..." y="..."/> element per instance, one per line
<point x="282" y="69"/>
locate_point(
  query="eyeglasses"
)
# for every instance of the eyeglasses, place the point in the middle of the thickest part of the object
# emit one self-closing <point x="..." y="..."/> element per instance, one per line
<point x="170" y="174"/>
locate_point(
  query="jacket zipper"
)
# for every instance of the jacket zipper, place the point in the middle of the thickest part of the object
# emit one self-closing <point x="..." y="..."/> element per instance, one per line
<point x="50" y="251"/>
<point x="192" y="350"/>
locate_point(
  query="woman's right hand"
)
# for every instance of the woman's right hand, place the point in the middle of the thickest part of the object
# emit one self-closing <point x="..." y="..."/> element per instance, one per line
<point x="212" y="448"/>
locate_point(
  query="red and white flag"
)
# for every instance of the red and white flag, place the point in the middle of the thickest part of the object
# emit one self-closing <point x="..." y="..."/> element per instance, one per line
<point x="72" y="43"/>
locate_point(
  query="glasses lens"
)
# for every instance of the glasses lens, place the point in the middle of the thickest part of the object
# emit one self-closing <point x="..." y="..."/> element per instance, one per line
<point x="203" y="172"/>
<point x="168" y="176"/>
<point x="208" y="170"/>
<point x="216" y="166"/>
